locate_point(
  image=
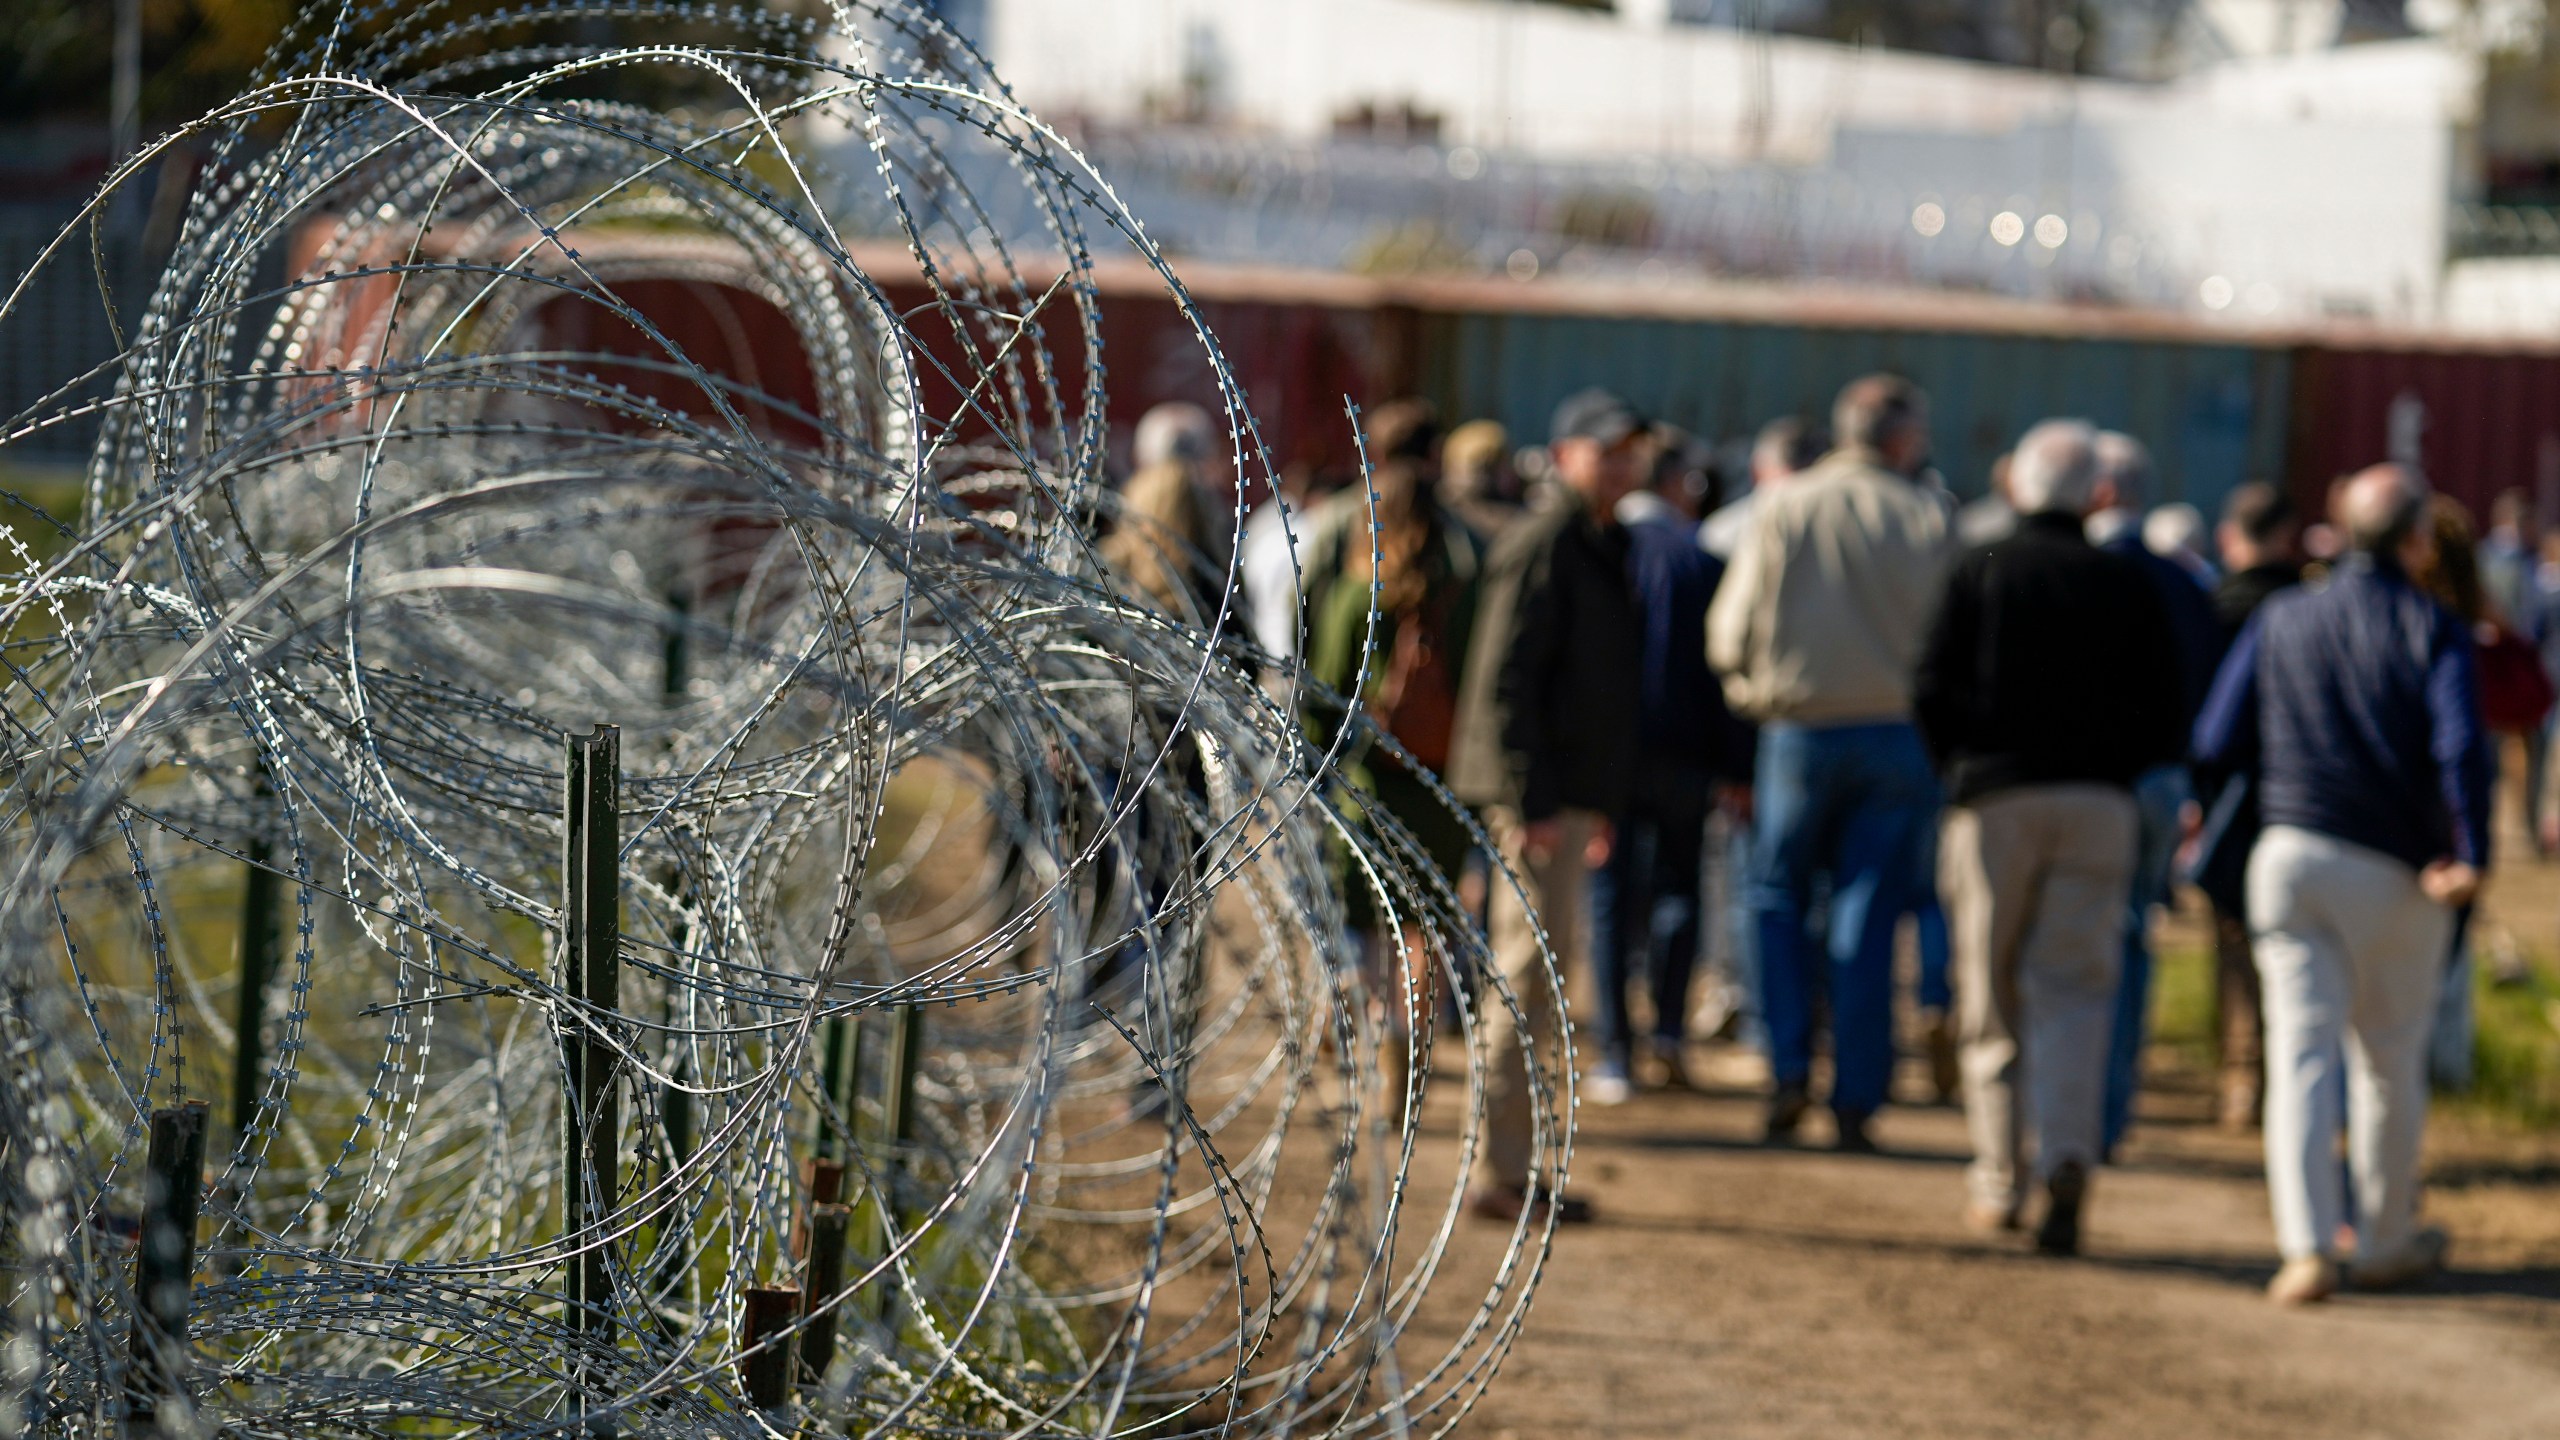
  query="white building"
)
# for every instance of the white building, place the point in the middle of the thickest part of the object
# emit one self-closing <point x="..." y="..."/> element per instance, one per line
<point x="2292" y="180"/>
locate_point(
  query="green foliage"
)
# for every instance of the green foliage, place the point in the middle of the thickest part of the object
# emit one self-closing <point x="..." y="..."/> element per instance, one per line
<point x="2516" y="1060"/>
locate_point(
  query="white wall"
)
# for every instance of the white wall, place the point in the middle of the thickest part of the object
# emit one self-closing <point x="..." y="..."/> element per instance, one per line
<point x="1505" y="76"/>
<point x="2297" y="184"/>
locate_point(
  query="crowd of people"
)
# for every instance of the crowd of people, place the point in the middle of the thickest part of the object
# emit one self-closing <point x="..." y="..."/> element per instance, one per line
<point x="1770" y="728"/>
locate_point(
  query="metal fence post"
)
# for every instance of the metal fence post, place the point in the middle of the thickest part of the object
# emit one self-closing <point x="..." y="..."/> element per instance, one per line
<point x="164" y="1273"/>
<point x="590" y="959"/>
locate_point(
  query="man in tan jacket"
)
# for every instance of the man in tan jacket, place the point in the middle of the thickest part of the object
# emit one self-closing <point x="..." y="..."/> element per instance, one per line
<point x="1816" y="630"/>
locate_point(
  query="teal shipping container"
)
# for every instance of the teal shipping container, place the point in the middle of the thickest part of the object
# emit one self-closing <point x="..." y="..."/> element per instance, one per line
<point x="2214" y="415"/>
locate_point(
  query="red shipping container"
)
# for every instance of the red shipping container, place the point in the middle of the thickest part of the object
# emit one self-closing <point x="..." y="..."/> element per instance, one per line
<point x="2476" y="421"/>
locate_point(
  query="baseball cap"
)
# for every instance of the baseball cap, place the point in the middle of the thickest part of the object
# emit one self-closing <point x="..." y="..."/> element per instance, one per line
<point x="1598" y="414"/>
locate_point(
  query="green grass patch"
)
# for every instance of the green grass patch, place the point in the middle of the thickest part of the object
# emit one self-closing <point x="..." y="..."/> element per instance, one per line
<point x="2516" y="1055"/>
<point x="2184" y="1007"/>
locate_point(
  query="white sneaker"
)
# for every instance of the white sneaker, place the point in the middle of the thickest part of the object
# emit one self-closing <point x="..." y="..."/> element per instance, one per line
<point x="1604" y="1087"/>
<point x="2421" y="1256"/>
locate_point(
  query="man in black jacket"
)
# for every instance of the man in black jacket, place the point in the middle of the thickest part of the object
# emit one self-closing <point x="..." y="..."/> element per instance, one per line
<point x="2048" y="683"/>
<point x="1546" y="737"/>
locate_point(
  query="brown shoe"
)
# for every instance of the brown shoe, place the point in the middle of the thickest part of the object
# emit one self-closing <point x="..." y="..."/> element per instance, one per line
<point x="1662" y="1069"/>
<point x="1506" y="1203"/>
<point x="1984" y="1219"/>
<point x="2304" y="1280"/>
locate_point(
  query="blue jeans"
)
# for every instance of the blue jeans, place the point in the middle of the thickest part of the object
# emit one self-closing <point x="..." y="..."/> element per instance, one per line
<point x="1646" y="911"/>
<point x="2158" y="795"/>
<point x="1929" y="925"/>
<point x="1857" y="802"/>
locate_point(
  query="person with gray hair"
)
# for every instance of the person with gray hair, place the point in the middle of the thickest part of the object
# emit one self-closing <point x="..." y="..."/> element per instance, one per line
<point x="2048" y="683"/>
<point x="2357" y="708"/>
<point x="1814" y="630"/>
<point x="2123" y="485"/>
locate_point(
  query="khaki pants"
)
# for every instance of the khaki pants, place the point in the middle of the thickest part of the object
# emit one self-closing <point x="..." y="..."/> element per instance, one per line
<point x="2035" y="880"/>
<point x="1511" y="1142"/>
<point x="2349" y="952"/>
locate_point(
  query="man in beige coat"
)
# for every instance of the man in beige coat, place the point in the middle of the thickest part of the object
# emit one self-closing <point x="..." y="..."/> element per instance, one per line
<point x="1815" y="630"/>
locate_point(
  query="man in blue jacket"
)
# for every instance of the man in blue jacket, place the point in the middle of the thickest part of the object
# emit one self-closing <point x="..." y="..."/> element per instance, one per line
<point x="2359" y="708"/>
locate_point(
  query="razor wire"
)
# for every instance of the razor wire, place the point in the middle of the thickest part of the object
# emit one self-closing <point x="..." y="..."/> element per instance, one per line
<point x="983" y="1049"/>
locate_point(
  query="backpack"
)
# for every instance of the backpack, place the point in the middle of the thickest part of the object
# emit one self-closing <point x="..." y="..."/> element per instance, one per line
<point x="1416" y="699"/>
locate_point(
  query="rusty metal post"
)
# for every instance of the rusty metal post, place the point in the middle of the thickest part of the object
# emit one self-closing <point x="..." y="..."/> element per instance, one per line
<point x="164" y="1273"/>
<point x="764" y="1367"/>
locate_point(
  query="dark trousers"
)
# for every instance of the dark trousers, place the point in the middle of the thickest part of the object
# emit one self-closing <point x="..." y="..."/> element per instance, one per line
<point x="1646" y="908"/>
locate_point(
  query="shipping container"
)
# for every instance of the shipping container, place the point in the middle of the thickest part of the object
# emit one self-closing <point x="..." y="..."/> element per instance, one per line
<point x="2212" y="413"/>
<point x="2476" y="421"/>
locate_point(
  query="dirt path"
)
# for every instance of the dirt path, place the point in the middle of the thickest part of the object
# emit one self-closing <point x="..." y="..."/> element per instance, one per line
<point x="1732" y="1290"/>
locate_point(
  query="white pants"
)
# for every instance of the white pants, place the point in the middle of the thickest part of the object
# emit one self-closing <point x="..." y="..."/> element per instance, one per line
<point x="2348" y="953"/>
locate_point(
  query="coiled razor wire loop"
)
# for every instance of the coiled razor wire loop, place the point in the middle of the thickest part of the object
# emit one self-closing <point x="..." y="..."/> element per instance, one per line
<point x="404" y="472"/>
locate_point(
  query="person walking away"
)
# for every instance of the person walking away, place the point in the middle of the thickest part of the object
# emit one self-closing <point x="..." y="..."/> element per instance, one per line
<point x="1272" y="560"/>
<point x="1478" y="483"/>
<point x="2258" y="541"/>
<point x="2515" y="700"/>
<point x="2541" y="623"/>
<point x="1815" y="630"/>
<point x="2048" y="683"/>
<point x="2507" y="553"/>
<point x="2176" y="533"/>
<point x="1648" y="903"/>
<point x="1547" y="720"/>
<point x="1785" y="447"/>
<point x="1167" y="544"/>
<point x="1402" y="671"/>
<point x="2162" y="794"/>
<point x="2509" y="568"/>
<point x="2357" y="704"/>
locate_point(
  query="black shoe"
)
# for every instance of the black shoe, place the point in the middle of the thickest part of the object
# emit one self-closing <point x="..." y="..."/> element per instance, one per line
<point x="1853" y="1137"/>
<point x="1786" y="1112"/>
<point x="2060" y="1232"/>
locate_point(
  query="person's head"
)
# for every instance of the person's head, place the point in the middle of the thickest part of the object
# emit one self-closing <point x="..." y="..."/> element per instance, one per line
<point x="2054" y="469"/>
<point x="2124" y="472"/>
<point x="1176" y="432"/>
<point x="2176" y="531"/>
<point x="1599" y="446"/>
<point x="1886" y="416"/>
<point x="1683" y="471"/>
<point x="2380" y="509"/>
<point x="2453" y="576"/>
<point x="1407" y="429"/>
<point x="1407" y="521"/>
<point x="2511" y="513"/>
<point x="1785" y="446"/>
<point x="1475" y="462"/>
<point x="2258" y="527"/>
<point x="1158" y="533"/>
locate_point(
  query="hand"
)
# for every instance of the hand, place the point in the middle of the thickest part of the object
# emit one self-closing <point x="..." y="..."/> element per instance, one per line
<point x="2190" y="836"/>
<point x="1597" y="848"/>
<point x="1736" y="802"/>
<point x="1539" y="838"/>
<point x="2450" y="883"/>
